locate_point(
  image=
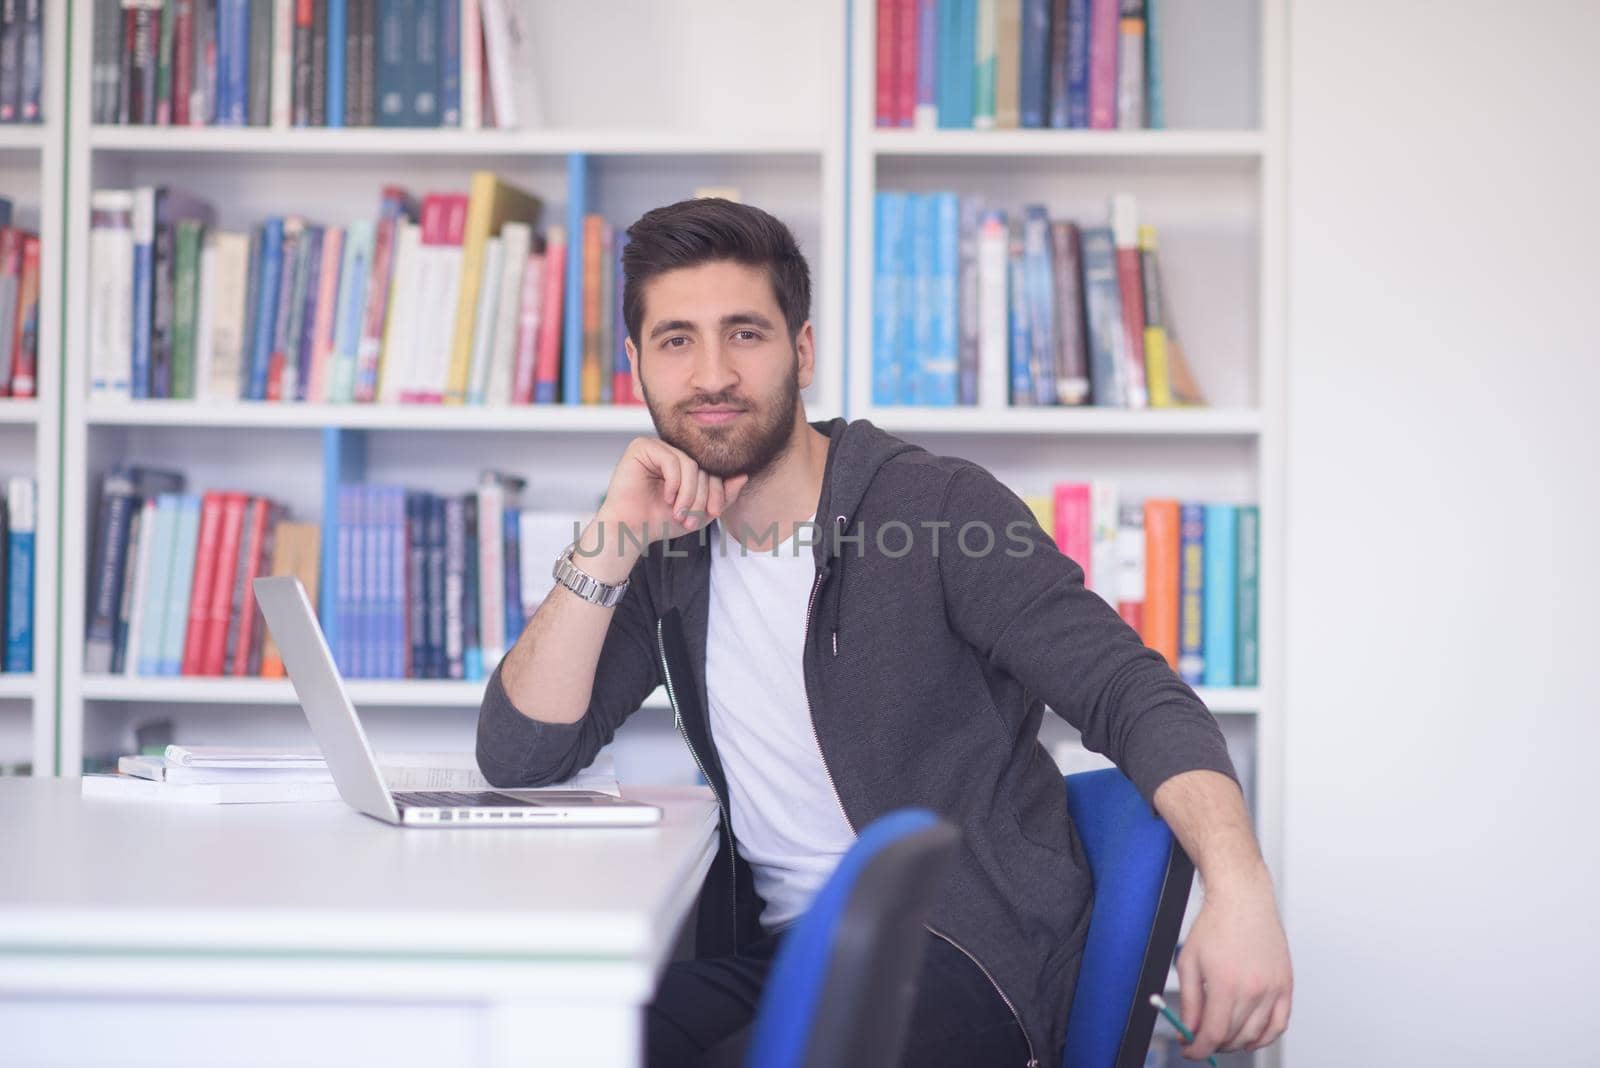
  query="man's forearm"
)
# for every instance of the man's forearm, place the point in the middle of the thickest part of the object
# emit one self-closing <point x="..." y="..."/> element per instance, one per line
<point x="1207" y="814"/>
<point x="549" y="673"/>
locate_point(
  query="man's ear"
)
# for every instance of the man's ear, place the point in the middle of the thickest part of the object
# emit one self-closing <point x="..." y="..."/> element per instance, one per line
<point x="805" y="347"/>
<point x="633" y="367"/>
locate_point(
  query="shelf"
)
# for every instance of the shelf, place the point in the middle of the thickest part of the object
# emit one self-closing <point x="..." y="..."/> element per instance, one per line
<point x="1231" y="701"/>
<point x="1222" y="145"/>
<point x="16" y="687"/>
<point x="370" y="141"/>
<point x="629" y="419"/>
<point x="1103" y="422"/>
<point x="21" y="137"/>
<point x="18" y="412"/>
<point x="365" y="693"/>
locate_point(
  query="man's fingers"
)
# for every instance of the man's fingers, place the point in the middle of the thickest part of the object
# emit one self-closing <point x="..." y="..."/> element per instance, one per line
<point x="1193" y="998"/>
<point x="1215" y="1023"/>
<point x="688" y="475"/>
<point x="1251" y="1027"/>
<point x="1275" y="1024"/>
<point x="696" y="513"/>
<point x="717" y="499"/>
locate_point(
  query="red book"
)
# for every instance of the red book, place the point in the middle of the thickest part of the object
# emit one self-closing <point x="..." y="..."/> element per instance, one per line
<point x="200" y="590"/>
<point x="547" y="364"/>
<point x="888" y="70"/>
<point x="905" y="75"/>
<point x="1104" y="43"/>
<point x="215" y="635"/>
<point x="1074" y="524"/>
<point x="1130" y="282"/>
<point x="529" y="308"/>
<point x="182" y="61"/>
<point x="10" y="267"/>
<point x="1161" y="550"/>
<point x="257" y="561"/>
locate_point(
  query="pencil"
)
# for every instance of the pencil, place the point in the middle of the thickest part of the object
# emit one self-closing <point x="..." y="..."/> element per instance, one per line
<point x="1172" y="1018"/>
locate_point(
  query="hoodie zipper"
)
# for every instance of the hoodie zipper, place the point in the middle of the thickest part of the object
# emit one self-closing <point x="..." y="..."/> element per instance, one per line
<point x="1033" y="1060"/>
<point x="722" y="811"/>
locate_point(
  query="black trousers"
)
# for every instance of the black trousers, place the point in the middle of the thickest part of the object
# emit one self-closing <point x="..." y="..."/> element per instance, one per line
<point x="702" y="1013"/>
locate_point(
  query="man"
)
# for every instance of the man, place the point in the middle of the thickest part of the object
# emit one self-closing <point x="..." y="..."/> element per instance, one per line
<point x="847" y="624"/>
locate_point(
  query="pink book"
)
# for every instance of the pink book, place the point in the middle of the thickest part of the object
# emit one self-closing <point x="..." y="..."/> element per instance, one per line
<point x="1103" y="45"/>
<point x="1074" y="524"/>
<point x="547" y="364"/>
<point x="327" y="301"/>
<point x="530" y="304"/>
<point x="905" y="74"/>
<point x="887" y="74"/>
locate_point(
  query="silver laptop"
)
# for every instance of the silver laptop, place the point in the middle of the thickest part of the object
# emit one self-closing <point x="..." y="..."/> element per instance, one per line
<point x="355" y="769"/>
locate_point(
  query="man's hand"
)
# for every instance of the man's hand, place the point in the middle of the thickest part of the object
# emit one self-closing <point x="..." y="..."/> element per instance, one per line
<point x="658" y="491"/>
<point x="1234" y="972"/>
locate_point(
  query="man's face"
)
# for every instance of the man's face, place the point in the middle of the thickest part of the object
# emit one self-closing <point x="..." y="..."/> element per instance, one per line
<point x="717" y="369"/>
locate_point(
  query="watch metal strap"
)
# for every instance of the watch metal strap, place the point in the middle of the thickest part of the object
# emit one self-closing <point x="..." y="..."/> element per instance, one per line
<point x="586" y="586"/>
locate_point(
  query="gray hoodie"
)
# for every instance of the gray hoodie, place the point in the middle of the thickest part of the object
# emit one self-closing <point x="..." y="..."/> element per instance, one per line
<point x="928" y="663"/>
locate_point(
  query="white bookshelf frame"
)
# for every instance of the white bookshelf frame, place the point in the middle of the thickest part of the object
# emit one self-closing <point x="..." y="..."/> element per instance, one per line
<point x="42" y="145"/>
<point x="310" y="150"/>
<point x="1258" y="153"/>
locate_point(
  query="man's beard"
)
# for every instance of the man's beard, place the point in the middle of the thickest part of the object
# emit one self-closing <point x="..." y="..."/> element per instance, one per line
<point x="747" y="447"/>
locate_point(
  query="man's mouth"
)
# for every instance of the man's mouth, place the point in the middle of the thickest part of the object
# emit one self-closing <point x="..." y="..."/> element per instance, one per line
<point x="715" y="414"/>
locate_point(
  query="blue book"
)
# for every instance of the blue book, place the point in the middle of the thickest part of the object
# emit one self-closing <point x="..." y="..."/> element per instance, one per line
<point x="356" y="265"/>
<point x="437" y="585"/>
<point x="266" y="315"/>
<point x="1041" y="282"/>
<point x="338" y="534"/>
<point x="927" y="109"/>
<point x="471" y="596"/>
<point x="423" y="66"/>
<point x="337" y="34"/>
<point x="511" y="555"/>
<point x="180" y="582"/>
<point x="311" y="281"/>
<point x="168" y="507"/>
<point x="1102" y="300"/>
<point x="361" y="576"/>
<point x="572" y="294"/>
<point x="888" y="276"/>
<point x="1021" y="320"/>
<point x="145" y="221"/>
<point x="1078" y="64"/>
<point x="1034" y="63"/>
<point x="416" y="505"/>
<point x="22" y="520"/>
<point x="1248" y="585"/>
<point x="449" y="62"/>
<point x="239" y="70"/>
<point x="1221" y="585"/>
<point x="619" y="327"/>
<point x="1155" y="109"/>
<point x="455" y="562"/>
<point x="396" y="27"/>
<point x="379" y="585"/>
<point x="225" y="14"/>
<point x="924" y="229"/>
<point x="949" y="56"/>
<point x="395" y="504"/>
<point x="941" y="361"/>
<point x="1191" y="593"/>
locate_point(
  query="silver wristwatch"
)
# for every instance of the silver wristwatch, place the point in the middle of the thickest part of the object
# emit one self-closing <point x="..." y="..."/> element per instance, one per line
<point x="591" y="589"/>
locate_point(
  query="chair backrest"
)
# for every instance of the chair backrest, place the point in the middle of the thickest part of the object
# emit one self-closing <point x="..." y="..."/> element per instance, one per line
<point x="1141" y="886"/>
<point x="841" y="989"/>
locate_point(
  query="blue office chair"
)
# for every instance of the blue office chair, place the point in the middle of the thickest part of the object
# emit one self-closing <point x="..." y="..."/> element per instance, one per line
<point x="1141" y="887"/>
<point x="841" y="990"/>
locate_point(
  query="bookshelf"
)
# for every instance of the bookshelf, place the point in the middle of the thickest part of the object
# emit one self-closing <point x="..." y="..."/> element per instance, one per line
<point x="31" y="161"/>
<point x="1212" y="183"/>
<point x="620" y="137"/>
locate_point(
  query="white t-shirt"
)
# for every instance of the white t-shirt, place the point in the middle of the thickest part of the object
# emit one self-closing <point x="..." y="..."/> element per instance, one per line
<point x="788" y="823"/>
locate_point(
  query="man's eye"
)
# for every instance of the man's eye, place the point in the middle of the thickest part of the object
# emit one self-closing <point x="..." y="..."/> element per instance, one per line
<point x="672" y="342"/>
<point x="746" y="335"/>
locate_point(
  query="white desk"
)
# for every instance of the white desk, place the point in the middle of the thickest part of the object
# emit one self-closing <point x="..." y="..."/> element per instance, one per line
<point x="140" y="933"/>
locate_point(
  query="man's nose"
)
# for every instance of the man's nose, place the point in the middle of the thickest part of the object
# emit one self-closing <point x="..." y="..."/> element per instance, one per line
<point x="713" y="371"/>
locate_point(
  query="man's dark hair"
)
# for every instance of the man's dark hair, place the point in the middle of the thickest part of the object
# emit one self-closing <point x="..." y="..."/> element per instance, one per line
<point x="706" y="230"/>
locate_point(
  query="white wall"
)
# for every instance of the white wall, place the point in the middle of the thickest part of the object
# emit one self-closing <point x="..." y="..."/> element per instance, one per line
<point x="1441" y="816"/>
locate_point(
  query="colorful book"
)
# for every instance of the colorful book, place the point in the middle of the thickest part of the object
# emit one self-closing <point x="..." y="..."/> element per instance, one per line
<point x="1221" y="609"/>
<point x="1191" y="596"/>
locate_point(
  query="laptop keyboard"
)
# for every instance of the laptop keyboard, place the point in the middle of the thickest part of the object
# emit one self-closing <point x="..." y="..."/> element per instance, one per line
<point x="459" y="799"/>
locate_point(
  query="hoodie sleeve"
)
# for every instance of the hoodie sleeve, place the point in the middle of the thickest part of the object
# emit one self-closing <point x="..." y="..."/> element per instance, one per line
<point x="516" y="749"/>
<point x="1025" y="608"/>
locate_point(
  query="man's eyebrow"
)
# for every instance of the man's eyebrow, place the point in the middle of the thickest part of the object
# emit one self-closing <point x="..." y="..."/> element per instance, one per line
<point x="666" y="325"/>
<point x="742" y="318"/>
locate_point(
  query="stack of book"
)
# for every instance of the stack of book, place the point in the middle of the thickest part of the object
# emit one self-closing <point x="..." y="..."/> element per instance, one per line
<point x="971" y="307"/>
<point x="21" y="61"/>
<point x="18" y="519"/>
<point x="436" y="586"/>
<point x="283" y="63"/>
<point x="170" y="590"/>
<point x="1028" y="64"/>
<point x="213" y="775"/>
<point x="1184" y="574"/>
<point x="455" y="301"/>
<point x="19" y="307"/>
